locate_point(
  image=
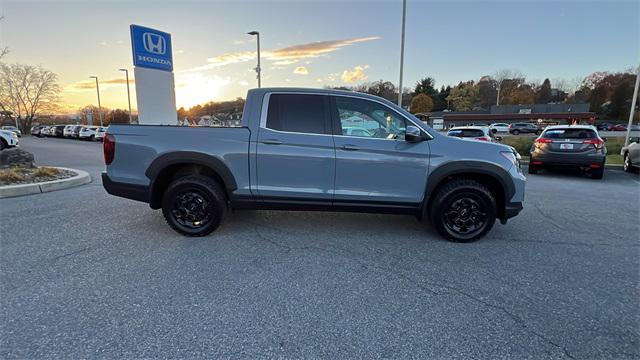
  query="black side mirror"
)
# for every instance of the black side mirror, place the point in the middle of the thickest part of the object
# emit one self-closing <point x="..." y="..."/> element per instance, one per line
<point x="413" y="134"/>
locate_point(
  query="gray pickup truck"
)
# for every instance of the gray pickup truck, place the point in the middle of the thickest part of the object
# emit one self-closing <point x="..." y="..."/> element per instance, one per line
<point x="313" y="149"/>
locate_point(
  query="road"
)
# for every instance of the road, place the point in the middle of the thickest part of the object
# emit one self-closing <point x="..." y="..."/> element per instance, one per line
<point x="88" y="275"/>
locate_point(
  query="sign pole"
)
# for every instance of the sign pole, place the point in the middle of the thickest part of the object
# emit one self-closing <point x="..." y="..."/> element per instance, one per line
<point x="633" y="107"/>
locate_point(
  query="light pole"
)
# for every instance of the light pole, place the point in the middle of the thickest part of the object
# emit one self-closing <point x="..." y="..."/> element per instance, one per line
<point x="258" y="69"/>
<point x="126" y="74"/>
<point x="633" y="106"/>
<point x="98" y="90"/>
<point x="404" y="15"/>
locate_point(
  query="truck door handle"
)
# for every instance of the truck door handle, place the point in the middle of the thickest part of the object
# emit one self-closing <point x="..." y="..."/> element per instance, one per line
<point x="350" y="147"/>
<point x="272" y="142"/>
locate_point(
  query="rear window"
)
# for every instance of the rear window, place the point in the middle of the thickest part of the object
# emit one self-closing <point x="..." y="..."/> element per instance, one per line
<point x="466" y="133"/>
<point x="297" y="113"/>
<point x="569" y="134"/>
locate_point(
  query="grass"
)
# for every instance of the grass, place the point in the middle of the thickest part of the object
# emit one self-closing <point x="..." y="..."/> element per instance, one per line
<point x="45" y="172"/>
<point x="614" y="159"/>
<point x="11" y="175"/>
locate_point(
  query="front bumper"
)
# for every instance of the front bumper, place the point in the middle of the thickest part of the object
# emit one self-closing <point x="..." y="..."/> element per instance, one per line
<point x="125" y="190"/>
<point x="512" y="209"/>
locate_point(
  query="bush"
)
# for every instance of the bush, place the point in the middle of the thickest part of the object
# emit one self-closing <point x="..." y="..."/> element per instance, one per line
<point x="521" y="144"/>
<point x="11" y="175"/>
<point x="45" y="172"/>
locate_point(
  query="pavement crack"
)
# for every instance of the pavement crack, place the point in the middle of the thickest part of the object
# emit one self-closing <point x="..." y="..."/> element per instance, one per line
<point x="70" y="254"/>
<point x="551" y="219"/>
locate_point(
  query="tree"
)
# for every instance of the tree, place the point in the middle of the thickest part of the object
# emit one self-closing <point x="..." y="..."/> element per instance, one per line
<point x="118" y="116"/>
<point x="544" y="92"/>
<point x="421" y="103"/>
<point x="27" y="91"/>
<point x="426" y="86"/>
<point x="463" y="96"/>
<point x="501" y="76"/>
<point x="487" y="92"/>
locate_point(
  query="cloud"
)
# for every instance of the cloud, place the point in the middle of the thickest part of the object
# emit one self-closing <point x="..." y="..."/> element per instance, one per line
<point x="91" y="84"/>
<point x="104" y="43"/>
<point x="357" y="74"/>
<point x="244" y="83"/>
<point x="301" y="70"/>
<point x="284" y="56"/>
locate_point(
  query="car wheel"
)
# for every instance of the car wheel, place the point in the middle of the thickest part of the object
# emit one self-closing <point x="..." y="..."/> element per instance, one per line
<point x="515" y="132"/>
<point x="463" y="210"/>
<point x="538" y="132"/>
<point x="194" y="205"/>
<point x="92" y="138"/>
<point x="627" y="165"/>
<point x="3" y="144"/>
<point x="532" y="169"/>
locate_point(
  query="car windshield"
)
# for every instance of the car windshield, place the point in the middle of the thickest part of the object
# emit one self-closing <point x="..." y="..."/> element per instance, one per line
<point x="569" y="134"/>
<point x="465" y="133"/>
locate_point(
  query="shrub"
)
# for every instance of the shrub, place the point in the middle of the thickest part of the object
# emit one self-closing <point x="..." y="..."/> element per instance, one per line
<point x="11" y="175"/>
<point x="45" y="172"/>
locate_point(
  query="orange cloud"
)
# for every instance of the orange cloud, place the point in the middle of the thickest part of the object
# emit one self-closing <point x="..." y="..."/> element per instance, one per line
<point x="357" y="74"/>
<point x="91" y="84"/>
<point x="301" y="70"/>
<point x="285" y="56"/>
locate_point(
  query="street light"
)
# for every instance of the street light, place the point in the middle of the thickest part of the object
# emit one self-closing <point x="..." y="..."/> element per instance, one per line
<point x="126" y="74"/>
<point x="98" y="90"/>
<point x="256" y="33"/>
<point x="404" y="15"/>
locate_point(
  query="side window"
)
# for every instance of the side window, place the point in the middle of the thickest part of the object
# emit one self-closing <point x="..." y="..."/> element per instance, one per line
<point x="364" y="118"/>
<point x="297" y="113"/>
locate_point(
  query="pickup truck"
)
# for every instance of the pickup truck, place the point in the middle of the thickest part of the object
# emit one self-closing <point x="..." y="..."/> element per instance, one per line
<point x="296" y="150"/>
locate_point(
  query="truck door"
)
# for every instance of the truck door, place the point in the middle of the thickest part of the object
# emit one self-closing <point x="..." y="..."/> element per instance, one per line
<point x="295" y="151"/>
<point x="374" y="164"/>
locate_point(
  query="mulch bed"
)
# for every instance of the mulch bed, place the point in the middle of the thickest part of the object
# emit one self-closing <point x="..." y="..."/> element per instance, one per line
<point x="19" y="175"/>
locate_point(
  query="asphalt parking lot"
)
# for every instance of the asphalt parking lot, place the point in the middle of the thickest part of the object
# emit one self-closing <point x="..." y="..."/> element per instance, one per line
<point x="86" y="275"/>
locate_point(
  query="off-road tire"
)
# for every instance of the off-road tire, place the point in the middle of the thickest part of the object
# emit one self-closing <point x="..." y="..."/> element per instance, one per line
<point x="454" y="191"/>
<point x="211" y="192"/>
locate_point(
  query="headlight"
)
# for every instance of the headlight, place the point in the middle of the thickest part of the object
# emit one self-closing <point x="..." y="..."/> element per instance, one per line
<point x="513" y="158"/>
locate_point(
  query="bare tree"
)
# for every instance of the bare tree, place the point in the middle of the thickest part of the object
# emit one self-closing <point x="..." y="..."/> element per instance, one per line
<point x="505" y="74"/>
<point x="27" y="91"/>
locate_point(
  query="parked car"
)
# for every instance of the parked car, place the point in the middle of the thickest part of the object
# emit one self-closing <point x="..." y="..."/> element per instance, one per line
<point x="68" y="131"/>
<point x="635" y="127"/>
<point x="604" y="126"/>
<point x="631" y="154"/>
<point x="8" y="139"/>
<point x="36" y="130"/>
<point x="356" y="131"/>
<point x="58" y="131"/>
<point x="481" y="133"/>
<point x="524" y="128"/>
<point x="100" y="133"/>
<point x="499" y="127"/>
<point x="299" y="158"/>
<point x="76" y="131"/>
<point x="13" y="129"/>
<point x="577" y="146"/>
<point x="618" y="127"/>
<point x="88" y="133"/>
<point x="45" y="131"/>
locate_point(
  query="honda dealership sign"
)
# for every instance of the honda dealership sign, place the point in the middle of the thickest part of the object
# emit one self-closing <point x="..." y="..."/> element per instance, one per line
<point x="155" y="86"/>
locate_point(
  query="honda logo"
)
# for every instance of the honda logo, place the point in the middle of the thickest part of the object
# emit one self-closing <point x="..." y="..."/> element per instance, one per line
<point x="154" y="43"/>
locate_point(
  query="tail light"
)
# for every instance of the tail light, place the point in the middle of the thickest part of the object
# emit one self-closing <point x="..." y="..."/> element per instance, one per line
<point x="543" y="141"/>
<point x="109" y="147"/>
<point x="483" y="138"/>
<point x="597" y="143"/>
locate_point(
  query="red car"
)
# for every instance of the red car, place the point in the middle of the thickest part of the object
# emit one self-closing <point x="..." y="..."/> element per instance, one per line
<point x="619" y="127"/>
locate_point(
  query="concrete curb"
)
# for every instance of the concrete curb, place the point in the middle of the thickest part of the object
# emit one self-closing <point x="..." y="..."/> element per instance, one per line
<point x="82" y="178"/>
<point x="606" y="166"/>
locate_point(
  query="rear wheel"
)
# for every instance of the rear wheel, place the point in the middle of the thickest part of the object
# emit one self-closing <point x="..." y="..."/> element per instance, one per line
<point x="463" y="210"/>
<point x="515" y="132"/>
<point x="194" y="205"/>
<point x="627" y="165"/>
<point x="532" y="169"/>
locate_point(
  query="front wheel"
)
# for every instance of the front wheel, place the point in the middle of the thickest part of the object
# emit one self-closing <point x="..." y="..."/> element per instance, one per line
<point x="194" y="205"/>
<point x="463" y="210"/>
<point x="515" y="132"/>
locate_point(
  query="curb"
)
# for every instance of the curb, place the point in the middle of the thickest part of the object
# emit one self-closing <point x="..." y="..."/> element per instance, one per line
<point x="606" y="166"/>
<point x="82" y="178"/>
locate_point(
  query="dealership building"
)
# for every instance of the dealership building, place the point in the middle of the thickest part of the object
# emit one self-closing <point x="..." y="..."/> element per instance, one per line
<point x="538" y="113"/>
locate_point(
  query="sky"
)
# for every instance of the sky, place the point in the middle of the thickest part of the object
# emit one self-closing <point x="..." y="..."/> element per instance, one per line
<point x="317" y="43"/>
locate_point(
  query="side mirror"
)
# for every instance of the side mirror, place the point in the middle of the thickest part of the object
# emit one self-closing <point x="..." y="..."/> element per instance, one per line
<point x="413" y="134"/>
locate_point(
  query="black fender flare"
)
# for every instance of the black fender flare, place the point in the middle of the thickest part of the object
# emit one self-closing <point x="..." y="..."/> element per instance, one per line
<point x="469" y="167"/>
<point x="189" y="158"/>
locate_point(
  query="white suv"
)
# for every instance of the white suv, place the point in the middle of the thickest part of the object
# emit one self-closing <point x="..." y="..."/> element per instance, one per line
<point x="88" y="133"/>
<point x="8" y="139"/>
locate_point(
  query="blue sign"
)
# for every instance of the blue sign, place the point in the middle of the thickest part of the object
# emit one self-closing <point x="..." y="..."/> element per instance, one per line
<point x="151" y="48"/>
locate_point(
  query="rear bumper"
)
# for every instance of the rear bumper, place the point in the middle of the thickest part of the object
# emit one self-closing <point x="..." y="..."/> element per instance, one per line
<point x="129" y="191"/>
<point x="567" y="159"/>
